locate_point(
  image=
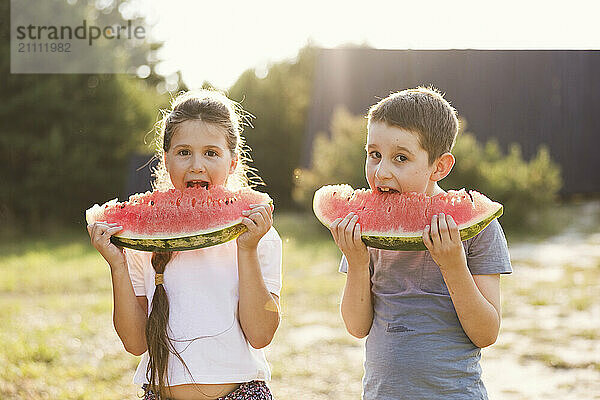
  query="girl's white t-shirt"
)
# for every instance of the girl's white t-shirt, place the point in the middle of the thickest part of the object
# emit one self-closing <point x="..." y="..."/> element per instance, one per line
<point x="202" y="288"/>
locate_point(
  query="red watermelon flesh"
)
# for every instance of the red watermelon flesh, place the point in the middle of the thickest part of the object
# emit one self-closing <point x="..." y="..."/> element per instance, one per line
<point x="404" y="215"/>
<point x="176" y="213"/>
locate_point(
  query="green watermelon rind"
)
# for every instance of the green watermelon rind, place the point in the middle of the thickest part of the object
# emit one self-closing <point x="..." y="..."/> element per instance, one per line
<point x="415" y="243"/>
<point x="182" y="243"/>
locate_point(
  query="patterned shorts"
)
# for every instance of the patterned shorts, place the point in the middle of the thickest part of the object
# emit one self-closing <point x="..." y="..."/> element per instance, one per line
<point x="253" y="390"/>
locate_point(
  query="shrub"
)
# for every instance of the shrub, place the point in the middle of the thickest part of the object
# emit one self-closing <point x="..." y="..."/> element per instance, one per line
<point x="280" y="101"/>
<point x="525" y="188"/>
<point x="336" y="158"/>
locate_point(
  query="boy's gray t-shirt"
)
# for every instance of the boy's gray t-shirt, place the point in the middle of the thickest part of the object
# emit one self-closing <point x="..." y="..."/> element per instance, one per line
<point x="416" y="348"/>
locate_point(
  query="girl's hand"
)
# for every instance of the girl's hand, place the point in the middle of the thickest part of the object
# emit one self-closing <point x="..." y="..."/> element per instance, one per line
<point x="442" y="239"/>
<point x="100" y="233"/>
<point x="258" y="220"/>
<point x="346" y="233"/>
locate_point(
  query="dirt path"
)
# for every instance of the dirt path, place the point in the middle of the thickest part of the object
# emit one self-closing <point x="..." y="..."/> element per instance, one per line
<point x="549" y="345"/>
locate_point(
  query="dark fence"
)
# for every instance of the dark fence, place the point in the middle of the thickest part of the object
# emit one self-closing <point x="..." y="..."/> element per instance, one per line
<point x="139" y="174"/>
<point x="529" y="97"/>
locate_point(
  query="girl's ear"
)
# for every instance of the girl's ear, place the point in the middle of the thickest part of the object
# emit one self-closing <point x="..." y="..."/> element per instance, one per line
<point x="233" y="165"/>
<point x="165" y="161"/>
<point x="443" y="165"/>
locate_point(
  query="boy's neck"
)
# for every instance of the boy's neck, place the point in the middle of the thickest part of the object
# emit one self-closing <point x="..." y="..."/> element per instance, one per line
<point x="434" y="189"/>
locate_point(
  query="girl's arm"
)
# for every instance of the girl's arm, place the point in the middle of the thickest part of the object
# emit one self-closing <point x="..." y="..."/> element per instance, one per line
<point x="357" y="303"/>
<point x="476" y="298"/>
<point x="258" y="308"/>
<point x="129" y="318"/>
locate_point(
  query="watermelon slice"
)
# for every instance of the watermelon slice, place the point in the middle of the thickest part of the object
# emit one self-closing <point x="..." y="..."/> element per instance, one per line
<point x="178" y="220"/>
<point x="395" y="221"/>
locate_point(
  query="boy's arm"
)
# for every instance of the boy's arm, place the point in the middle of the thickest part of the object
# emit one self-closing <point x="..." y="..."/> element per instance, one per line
<point x="476" y="298"/>
<point x="357" y="305"/>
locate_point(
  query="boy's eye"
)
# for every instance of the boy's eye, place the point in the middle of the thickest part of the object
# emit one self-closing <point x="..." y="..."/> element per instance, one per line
<point x="401" y="158"/>
<point x="375" y="154"/>
<point x="211" y="153"/>
<point x="183" y="152"/>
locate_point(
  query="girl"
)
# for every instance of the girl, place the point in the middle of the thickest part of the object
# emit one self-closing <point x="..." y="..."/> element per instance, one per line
<point x="211" y="310"/>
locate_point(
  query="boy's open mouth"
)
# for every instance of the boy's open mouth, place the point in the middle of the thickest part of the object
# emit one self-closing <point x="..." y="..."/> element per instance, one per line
<point x="384" y="189"/>
<point x="196" y="184"/>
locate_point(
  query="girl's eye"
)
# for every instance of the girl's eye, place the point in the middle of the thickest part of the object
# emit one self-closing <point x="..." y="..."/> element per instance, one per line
<point x="401" y="158"/>
<point x="211" y="153"/>
<point x="183" y="152"/>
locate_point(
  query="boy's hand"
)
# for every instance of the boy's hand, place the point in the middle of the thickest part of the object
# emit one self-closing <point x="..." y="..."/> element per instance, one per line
<point x="346" y="234"/>
<point x="258" y="219"/>
<point x="442" y="239"/>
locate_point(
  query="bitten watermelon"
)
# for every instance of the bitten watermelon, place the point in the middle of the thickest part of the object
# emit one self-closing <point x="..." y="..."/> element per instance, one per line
<point x="395" y="221"/>
<point x="178" y="220"/>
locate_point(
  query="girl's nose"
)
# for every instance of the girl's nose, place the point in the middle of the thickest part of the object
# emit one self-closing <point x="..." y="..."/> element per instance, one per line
<point x="197" y="164"/>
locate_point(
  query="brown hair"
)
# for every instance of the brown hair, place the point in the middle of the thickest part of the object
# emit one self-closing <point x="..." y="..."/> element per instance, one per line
<point x="423" y="111"/>
<point x="214" y="108"/>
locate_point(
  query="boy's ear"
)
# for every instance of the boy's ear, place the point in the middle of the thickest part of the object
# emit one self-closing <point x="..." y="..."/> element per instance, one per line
<point x="443" y="165"/>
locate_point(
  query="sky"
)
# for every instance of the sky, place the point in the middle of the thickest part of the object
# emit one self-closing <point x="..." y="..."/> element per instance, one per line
<point x="216" y="40"/>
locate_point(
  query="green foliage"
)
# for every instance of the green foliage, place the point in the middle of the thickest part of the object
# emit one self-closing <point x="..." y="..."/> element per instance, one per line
<point x="337" y="158"/>
<point x="525" y="188"/>
<point x="66" y="139"/>
<point x="65" y="144"/>
<point x="280" y="103"/>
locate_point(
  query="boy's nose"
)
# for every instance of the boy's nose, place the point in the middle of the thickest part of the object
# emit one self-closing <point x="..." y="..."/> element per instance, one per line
<point x="382" y="171"/>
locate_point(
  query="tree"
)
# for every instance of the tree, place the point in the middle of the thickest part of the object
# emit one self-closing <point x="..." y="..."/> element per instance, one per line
<point x="336" y="158"/>
<point x="280" y="103"/>
<point x="66" y="139"/>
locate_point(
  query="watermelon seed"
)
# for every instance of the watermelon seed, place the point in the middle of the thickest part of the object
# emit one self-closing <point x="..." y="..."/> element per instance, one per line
<point x="122" y="206"/>
<point x="151" y="202"/>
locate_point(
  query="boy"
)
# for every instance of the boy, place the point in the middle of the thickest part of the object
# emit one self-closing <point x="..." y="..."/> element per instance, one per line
<point x="426" y="313"/>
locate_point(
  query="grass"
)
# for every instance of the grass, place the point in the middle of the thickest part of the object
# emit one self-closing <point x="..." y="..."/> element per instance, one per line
<point x="57" y="339"/>
<point x="553" y="220"/>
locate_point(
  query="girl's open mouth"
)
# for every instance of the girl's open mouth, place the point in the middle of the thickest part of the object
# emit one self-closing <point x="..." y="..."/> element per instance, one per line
<point x="197" y="184"/>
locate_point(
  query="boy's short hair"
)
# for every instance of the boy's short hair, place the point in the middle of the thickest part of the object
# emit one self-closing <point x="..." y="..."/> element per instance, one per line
<point x="423" y="111"/>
